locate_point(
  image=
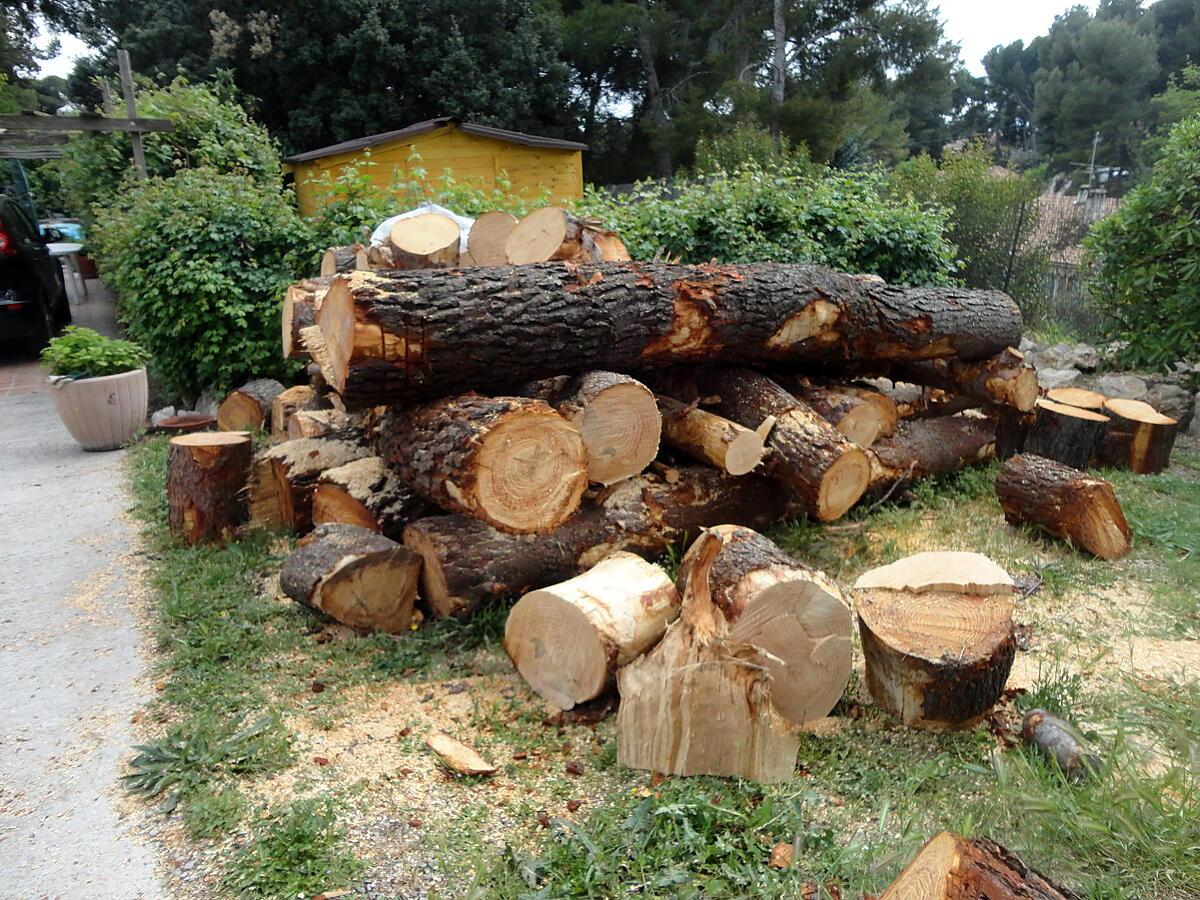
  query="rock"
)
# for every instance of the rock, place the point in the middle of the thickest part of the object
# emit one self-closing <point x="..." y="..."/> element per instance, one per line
<point x="165" y="413"/>
<point x="1029" y="345"/>
<point x="1056" y="378"/>
<point x="1087" y="357"/>
<point x="207" y="402"/>
<point x="1067" y="356"/>
<point x="1194" y="431"/>
<point x="1174" y="401"/>
<point x="1124" y="387"/>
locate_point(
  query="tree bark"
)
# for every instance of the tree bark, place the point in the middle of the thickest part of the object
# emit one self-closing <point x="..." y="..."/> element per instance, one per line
<point x="950" y="867"/>
<point x="1064" y="501"/>
<point x="467" y="561"/>
<point x="654" y="99"/>
<point x="1066" y="434"/>
<point x="249" y="407"/>
<point x="928" y="447"/>
<point x="350" y="258"/>
<point x="569" y="639"/>
<point x="410" y="336"/>
<point x="488" y="237"/>
<point x="709" y="438"/>
<point x="368" y="494"/>
<point x="1004" y="379"/>
<point x="288" y="474"/>
<point x="509" y="461"/>
<point x="355" y="576"/>
<point x="286" y="404"/>
<point x="1139" y="438"/>
<point x="207" y="473"/>
<point x="424" y="241"/>
<point x="315" y="423"/>
<point x="1012" y="430"/>
<point x="937" y="637"/>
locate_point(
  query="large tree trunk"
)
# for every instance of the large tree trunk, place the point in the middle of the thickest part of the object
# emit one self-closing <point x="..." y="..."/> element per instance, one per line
<point x="937" y="637"/>
<point x="288" y="474"/>
<point x="1066" y="434"/>
<point x="360" y="578"/>
<point x="411" y="336"/>
<point x="768" y="600"/>
<point x="928" y="447"/>
<point x="368" y="494"/>
<point x="249" y="407"/>
<point x="1004" y="380"/>
<point x="509" y="461"/>
<point x="656" y="108"/>
<point x="467" y="561"/>
<point x="954" y="868"/>
<point x="207" y="474"/>
<point x="350" y="258"/>
<point x="569" y="639"/>
<point x="710" y="438"/>
<point x="825" y="472"/>
<point x="1066" y="502"/>
<point x="1139" y="438"/>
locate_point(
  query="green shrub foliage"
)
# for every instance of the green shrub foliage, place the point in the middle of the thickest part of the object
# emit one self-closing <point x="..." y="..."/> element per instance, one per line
<point x="83" y="353"/>
<point x="1147" y="258"/>
<point x="199" y="263"/>
<point x="787" y="213"/>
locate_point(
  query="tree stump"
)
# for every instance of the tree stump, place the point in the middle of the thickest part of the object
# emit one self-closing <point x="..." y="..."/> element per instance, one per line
<point x="424" y="241"/>
<point x="368" y="494"/>
<point x="1066" y="434"/>
<point x="249" y="407"/>
<point x="710" y="438"/>
<point x="1139" y="438"/>
<point x="1081" y="397"/>
<point x="207" y="474"/>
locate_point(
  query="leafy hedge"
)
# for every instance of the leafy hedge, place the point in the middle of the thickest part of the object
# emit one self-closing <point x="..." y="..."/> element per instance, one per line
<point x="787" y="213"/>
<point x="1147" y="258"/>
<point x="199" y="263"/>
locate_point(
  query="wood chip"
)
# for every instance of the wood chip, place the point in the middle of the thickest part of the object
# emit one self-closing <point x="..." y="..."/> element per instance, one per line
<point x="781" y="855"/>
<point x="457" y="755"/>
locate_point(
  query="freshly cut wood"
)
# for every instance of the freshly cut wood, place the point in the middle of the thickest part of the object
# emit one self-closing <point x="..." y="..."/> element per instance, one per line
<point x="424" y="241"/>
<point x="1139" y="437"/>
<point x="403" y="337"/>
<point x="1004" y="379"/>
<point x="300" y="303"/>
<point x="379" y="256"/>
<point x="207" y="474"/>
<point x="312" y="423"/>
<point x="937" y="636"/>
<point x="368" y="494"/>
<point x="955" y="868"/>
<point x="605" y="246"/>
<point x="289" y="473"/>
<point x="825" y="472"/>
<point x="1059" y="741"/>
<point x="343" y="259"/>
<point x="617" y="419"/>
<point x="923" y="448"/>
<point x="1080" y="397"/>
<point x="457" y="756"/>
<point x="467" y="561"/>
<point x="770" y="601"/>
<point x="509" y="461"/>
<point x="488" y="237"/>
<point x="286" y="404"/>
<point x="1067" y="434"/>
<point x="916" y="402"/>
<point x="1067" y="503"/>
<point x="569" y="639"/>
<point x="466" y="259"/>
<point x="709" y="438"/>
<point x="249" y="407"/>
<point x="551" y="233"/>
<point x="862" y="415"/>
<point x="354" y="575"/>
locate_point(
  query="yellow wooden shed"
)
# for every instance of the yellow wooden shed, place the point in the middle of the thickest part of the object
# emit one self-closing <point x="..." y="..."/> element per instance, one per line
<point x="475" y="154"/>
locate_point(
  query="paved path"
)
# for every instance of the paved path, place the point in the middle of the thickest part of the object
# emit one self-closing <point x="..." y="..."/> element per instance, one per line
<point x="68" y="656"/>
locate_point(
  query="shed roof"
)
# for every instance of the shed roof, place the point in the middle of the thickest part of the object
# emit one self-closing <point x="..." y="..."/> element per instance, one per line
<point x="374" y="140"/>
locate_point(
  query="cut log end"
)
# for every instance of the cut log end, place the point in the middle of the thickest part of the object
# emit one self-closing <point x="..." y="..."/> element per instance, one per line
<point x="538" y="237"/>
<point x="207" y="474"/>
<point x="1139" y="437"/>
<point x="488" y="236"/>
<point x="425" y="241"/>
<point x="249" y="407"/>
<point x="842" y="484"/>
<point x="620" y="426"/>
<point x="1080" y="397"/>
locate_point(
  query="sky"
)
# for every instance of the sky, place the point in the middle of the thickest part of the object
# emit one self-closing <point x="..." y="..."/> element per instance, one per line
<point x="977" y="25"/>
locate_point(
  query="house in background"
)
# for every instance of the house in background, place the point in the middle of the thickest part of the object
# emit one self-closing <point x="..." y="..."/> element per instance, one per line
<point x="475" y="154"/>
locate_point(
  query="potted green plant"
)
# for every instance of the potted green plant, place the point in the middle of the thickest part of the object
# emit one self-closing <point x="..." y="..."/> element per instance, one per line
<point x="99" y="386"/>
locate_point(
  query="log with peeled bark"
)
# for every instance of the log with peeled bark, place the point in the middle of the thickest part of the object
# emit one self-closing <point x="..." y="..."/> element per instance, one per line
<point x="287" y="403"/>
<point x="1067" y="503"/>
<point x="861" y="414"/>
<point x="551" y="233"/>
<point x="1001" y="380"/>
<point x="488" y="237"/>
<point x="314" y="423"/>
<point x="467" y="561"/>
<point x="1059" y="741"/>
<point x="286" y="475"/>
<point x="403" y="337"/>
<point x="1139" y="437"/>
<point x="1081" y="397"/>
<point x="568" y="640"/>
<point x="956" y="868"/>
<point x="937" y="636"/>
<point x="300" y="303"/>
<point x="368" y="494"/>
<point x="424" y="241"/>
<point x="249" y="407"/>
<point x="923" y="448"/>
<point x="710" y="438"/>
<point x="512" y="462"/>
<point x="355" y="576"/>
<point x="825" y="472"/>
<point x="1066" y="434"/>
<point x="207" y="474"/>
<point x="767" y="599"/>
<point x="350" y="258"/>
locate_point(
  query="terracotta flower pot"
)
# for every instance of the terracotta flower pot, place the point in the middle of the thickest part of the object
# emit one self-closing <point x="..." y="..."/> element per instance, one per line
<point x="102" y="413"/>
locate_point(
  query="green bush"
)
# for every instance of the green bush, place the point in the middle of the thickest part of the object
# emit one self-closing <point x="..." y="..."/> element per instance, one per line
<point x="199" y="263"/>
<point x="211" y="129"/>
<point x="1147" y="258"/>
<point x="83" y="353"/>
<point x="745" y="146"/>
<point x="786" y="213"/>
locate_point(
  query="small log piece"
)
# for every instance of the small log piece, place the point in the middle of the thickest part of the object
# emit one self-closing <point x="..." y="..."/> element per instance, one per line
<point x="569" y="639"/>
<point x="314" y="423"/>
<point x="368" y="494"/>
<point x="249" y="407"/>
<point x="954" y="868"/>
<point x="509" y="461"/>
<point x="355" y="576"/>
<point x="426" y="241"/>
<point x="861" y="414"/>
<point x="709" y="438"/>
<point x="457" y="756"/>
<point x="1002" y="380"/>
<point x="286" y="404"/>
<point x="488" y="237"/>
<point x="1059" y="741"/>
<point x="300" y="303"/>
<point x="350" y="258"/>
<point x="1067" y="503"/>
<point x="207" y="474"/>
<point x="923" y="448"/>
<point x="1067" y="434"/>
<point x="617" y="419"/>
<point x="937" y="636"/>
<point x="1139" y="438"/>
<point x="291" y="472"/>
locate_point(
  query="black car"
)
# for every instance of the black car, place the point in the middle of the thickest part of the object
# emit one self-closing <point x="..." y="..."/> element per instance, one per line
<point x="33" y="298"/>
